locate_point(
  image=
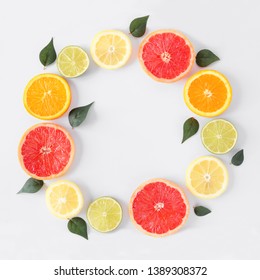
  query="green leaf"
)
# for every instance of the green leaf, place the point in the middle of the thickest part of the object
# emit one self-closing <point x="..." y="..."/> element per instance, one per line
<point x="138" y="26"/>
<point x="201" y="211"/>
<point x="48" y="54"/>
<point x="238" y="158"/>
<point x="78" y="226"/>
<point x="78" y="115"/>
<point x="205" y="57"/>
<point x="31" y="186"/>
<point x="190" y="127"/>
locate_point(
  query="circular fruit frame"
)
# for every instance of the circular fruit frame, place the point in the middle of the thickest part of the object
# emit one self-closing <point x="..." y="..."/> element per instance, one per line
<point x="192" y="59"/>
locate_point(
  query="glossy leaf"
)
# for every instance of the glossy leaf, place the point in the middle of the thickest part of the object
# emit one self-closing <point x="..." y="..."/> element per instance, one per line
<point x="78" y="226"/>
<point x="78" y="115"/>
<point x="190" y="127"/>
<point x="238" y="158"/>
<point x="138" y="26"/>
<point x="31" y="186"/>
<point x="48" y="54"/>
<point x="205" y="57"/>
<point x="201" y="211"/>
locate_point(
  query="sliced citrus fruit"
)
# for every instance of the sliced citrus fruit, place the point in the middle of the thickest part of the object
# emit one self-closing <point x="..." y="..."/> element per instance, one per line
<point x="111" y="49"/>
<point x="72" y="61"/>
<point x="104" y="214"/>
<point x="158" y="207"/>
<point x="47" y="96"/>
<point x="207" y="93"/>
<point x="219" y="136"/>
<point x="46" y="151"/>
<point x="207" y="177"/>
<point x="64" y="199"/>
<point x="166" y="55"/>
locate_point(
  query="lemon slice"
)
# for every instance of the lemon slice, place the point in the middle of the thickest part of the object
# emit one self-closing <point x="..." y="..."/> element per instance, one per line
<point x="64" y="199"/>
<point x="72" y="61"/>
<point x="111" y="49"/>
<point x="104" y="214"/>
<point x="219" y="136"/>
<point x="207" y="177"/>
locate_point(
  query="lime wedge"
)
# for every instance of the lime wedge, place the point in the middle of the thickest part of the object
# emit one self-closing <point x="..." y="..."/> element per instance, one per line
<point x="72" y="61"/>
<point x="104" y="214"/>
<point x="219" y="136"/>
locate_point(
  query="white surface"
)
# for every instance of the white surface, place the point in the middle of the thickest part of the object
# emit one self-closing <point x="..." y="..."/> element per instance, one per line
<point x="133" y="131"/>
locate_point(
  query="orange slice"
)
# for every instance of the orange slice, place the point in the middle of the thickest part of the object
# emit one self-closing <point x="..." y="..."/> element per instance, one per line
<point x="208" y="93"/>
<point x="47" y="96"/>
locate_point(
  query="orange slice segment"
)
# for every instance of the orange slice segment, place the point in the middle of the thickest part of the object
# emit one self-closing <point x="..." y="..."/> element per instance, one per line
<point x="47" y="96"/>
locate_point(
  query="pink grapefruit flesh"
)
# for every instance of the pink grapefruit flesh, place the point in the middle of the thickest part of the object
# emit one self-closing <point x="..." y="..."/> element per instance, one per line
<point x="46" y="151"/>
<point x="166" y="55"/>
<point x="158" y="207"/>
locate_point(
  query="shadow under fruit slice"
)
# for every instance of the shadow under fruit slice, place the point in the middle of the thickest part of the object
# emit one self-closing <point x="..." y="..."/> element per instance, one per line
<point x="46" y="151"/>
<point x="47" y="96"/>
<point x="166" y="55"/>
<point x="158" y="207"/>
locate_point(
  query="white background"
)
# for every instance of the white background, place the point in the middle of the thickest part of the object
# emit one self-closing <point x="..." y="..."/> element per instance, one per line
<point x="133" y="131"/>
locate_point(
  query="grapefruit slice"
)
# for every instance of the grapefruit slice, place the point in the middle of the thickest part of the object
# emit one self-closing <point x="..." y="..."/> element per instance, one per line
<point x="166" y="55"/>
<point x="158" y="207"/>
<point x="46" y="151"/>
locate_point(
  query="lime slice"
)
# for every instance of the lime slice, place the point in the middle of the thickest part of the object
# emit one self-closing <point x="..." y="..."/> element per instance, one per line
<point x="219" y="136"/>
<point x="72" y="61"/>
<point x="207" y="177"/>
<point x="104" y="214"/>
